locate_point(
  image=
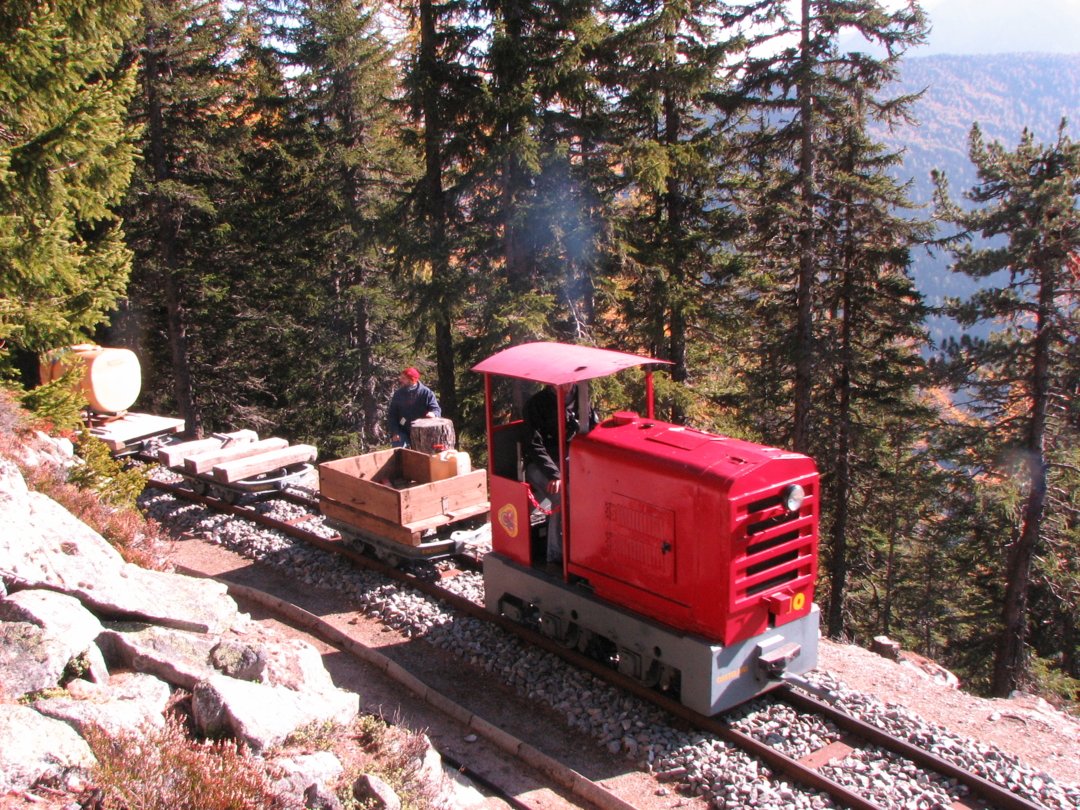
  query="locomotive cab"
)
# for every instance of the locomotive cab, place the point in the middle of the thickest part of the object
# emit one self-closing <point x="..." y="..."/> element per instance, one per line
<point x="517" y="518"/>
<point x="688" y="558"/>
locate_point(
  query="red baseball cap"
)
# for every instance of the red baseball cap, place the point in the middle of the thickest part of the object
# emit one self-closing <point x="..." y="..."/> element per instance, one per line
<point x="411" y="373"/>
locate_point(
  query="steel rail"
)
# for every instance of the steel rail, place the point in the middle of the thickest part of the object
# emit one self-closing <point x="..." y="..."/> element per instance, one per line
<point x="798" y="772"/>
<point x="996" y="794"/>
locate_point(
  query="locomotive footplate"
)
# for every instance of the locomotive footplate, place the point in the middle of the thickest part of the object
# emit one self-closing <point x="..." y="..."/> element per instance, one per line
<point x="711" y="677"/>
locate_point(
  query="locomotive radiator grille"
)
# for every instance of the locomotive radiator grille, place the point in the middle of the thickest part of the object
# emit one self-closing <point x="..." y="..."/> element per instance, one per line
<point x="774" y="549"/>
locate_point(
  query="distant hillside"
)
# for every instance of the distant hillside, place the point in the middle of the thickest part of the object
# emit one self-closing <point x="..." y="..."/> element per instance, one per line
<point x="1003" y="93"/>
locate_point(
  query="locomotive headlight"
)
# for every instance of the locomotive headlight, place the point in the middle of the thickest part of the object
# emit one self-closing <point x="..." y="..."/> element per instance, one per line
<point x="792" y="497"/>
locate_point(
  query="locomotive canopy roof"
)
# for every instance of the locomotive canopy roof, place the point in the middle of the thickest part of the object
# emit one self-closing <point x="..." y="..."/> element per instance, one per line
<point x="557" y="363"/>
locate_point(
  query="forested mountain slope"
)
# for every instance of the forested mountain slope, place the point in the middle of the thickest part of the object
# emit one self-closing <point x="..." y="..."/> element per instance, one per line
<point x="1003" y="93"/>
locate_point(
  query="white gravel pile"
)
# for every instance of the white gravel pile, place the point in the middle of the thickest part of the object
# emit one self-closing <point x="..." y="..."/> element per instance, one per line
<point x="695" y="763"/>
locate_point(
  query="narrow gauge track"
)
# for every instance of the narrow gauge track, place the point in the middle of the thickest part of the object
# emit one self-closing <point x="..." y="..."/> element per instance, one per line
<point x="803" y="771"/>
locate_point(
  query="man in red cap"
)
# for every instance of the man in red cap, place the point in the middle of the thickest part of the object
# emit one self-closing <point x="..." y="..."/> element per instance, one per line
<point x="412" y="400"/>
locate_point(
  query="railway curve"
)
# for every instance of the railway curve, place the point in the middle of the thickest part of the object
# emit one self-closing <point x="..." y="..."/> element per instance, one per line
<point x="668" y="759"/>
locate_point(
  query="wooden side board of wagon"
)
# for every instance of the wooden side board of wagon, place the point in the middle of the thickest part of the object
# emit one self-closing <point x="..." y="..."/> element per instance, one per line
<point x="396" y="502"/>
<point x="229" y="465"/>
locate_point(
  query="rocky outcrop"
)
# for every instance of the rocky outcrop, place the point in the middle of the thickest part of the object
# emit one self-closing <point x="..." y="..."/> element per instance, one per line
<point x="263" y="715"/>
<point x="36" y="748"/>
<point x="40" y="633"/>
<point x="88" y="640"/>
<point x="44" y="546"/>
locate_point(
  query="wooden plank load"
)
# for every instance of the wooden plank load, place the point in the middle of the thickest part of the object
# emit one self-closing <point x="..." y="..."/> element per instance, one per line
<point x="232" y="463"/>
<point x="390" y="493"/>
<point x="175" y="455"/>
<point x="237" y="470"/>
<point x="199" y="463"/>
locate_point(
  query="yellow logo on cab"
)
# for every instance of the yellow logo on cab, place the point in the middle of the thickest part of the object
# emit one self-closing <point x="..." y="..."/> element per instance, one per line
<point x="508" y="519"/>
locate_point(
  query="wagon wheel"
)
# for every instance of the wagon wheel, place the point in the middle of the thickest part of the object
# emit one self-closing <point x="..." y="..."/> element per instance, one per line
<point x="230" y="496"/>
<point x="388" y="557"/>
<point x="199" y="487"/>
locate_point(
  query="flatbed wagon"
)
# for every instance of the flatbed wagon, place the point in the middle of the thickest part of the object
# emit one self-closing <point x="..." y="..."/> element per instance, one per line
<point x="231" y="465"/>
<point x="131" y="433"/>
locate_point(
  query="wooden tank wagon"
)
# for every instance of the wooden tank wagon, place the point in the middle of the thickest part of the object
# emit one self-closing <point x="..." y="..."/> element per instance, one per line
<point x="110" y="379"/>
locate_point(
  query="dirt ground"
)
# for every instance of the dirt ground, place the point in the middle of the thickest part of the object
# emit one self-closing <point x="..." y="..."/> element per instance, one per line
<point x="1027" y="727"/>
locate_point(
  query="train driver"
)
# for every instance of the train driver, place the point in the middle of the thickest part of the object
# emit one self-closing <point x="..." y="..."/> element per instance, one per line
<point x="541" y="449"/>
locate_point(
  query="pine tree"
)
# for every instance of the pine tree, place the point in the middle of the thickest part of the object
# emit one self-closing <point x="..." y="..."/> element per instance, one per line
<point x="669" y="132"/>
<point x="347" y="171"/>
<point x="796" y="94"/>
<point x="844" y="322"/>
<point x="1028" y="198"/>
<point x="66" y="157"/>
<point x="868" y="342"/>
<point x="444" y="91"/>
<point x="537" y="221"/>
<point x="183" y="104"/>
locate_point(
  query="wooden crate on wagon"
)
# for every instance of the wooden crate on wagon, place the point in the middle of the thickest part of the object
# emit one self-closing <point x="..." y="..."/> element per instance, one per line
<point x="391" y="494"/>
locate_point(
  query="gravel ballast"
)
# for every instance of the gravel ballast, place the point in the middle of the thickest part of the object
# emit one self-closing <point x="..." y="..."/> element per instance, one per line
<point x="697" y="763"/>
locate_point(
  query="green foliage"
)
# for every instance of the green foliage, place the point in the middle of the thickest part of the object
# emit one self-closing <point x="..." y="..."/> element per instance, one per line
<point x="30" y="698"/>
<point x="115" y="484"/>
<point x="58" y="404"/>
<point x="66" y="157"/>
<point x="316" y="736"/>
<point x="1019" y="379"/>
<point x="397" y="757"/>
<point x="76" y="668"/>
<point x="1048" y="679"/>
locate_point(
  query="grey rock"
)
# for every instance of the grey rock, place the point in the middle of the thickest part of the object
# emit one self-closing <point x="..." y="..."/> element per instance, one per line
<point x="239" y="660"/>
<point x="296" y="665"/>
<point x="40" y="633"/>
<point x="130" y="702"/>
<point x="179" y="657"/>
<point x="376" y="792"/>
<point x="319" y="797"/>
<point x="263" y="715"/>
<point x="42" y="545"/>
<point x="307" y="778"/>
<point x="45" y="748"/>
<point x="97" y="671"/>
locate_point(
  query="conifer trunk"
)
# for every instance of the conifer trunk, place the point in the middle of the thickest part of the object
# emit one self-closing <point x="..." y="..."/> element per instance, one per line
<point x="436" y="212"/>
<point x="1010" y="664"/>
<point x="167" y="247"/>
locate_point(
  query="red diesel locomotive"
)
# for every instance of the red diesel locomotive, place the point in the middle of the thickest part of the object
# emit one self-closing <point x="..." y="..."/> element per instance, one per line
<point x="689" y="558"/>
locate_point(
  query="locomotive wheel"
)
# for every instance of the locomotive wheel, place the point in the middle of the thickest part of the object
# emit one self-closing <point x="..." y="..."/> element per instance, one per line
<point x="651" y="676"/>
<point x="571" y="637"/>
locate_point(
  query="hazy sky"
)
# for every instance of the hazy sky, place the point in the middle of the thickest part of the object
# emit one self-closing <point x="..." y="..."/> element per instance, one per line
<point x="1002" y="26"/>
